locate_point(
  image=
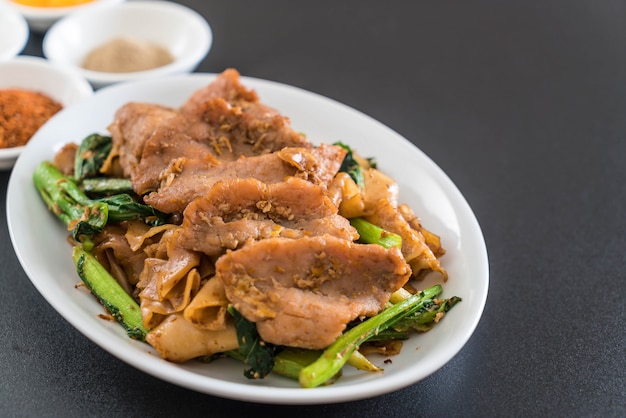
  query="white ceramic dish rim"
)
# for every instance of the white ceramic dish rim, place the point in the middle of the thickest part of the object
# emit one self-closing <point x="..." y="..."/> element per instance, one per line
<point x="18" y="31"/>
<point x="82" y="87"/>
<point x="202" y="43"/>
<point x="444" y="211"/>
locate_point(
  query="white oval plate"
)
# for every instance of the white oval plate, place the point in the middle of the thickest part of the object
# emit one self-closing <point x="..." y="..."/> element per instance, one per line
<point x="39" y="240"/>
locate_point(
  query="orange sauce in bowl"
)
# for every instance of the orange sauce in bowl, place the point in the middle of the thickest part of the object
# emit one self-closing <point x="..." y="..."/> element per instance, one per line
<point x="51" y="3"/>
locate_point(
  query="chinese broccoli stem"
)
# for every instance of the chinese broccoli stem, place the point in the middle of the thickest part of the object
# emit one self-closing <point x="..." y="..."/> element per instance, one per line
<point x="85" y="216"/>
<point x="89" y="159"/>
<point x="336" y="355"/>
<point x="373" y="234"/>
<point x="110" y="293"/>
<point x="399" y="295"/>
<point x="106" y="186"/>
<point x="290" y="361"/>
<point x="63" y="198"/>
<point x="60" y="193"/>
<point x="425" y="319"/>
<point x="360" y="362"/>
<point x="422" y="320"/>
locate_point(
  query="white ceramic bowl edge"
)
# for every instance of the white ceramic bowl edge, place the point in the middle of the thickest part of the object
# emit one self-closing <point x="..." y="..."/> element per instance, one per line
<point x="61" y="83"/>
<point x="183" y="31"/>
<point x="14" y="32"/>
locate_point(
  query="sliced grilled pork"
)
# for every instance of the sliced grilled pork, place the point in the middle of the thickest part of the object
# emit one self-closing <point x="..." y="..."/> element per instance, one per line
<point x="227" y="85"/>
<point x="133" y="125"/>
<point x="186" y="179"/>
<point x="237" y="211"/>
<point x="220" y="122"/>
<point x="302" y="292"/>
<point x="181" y="136"/>
<point x="234" y="134"/>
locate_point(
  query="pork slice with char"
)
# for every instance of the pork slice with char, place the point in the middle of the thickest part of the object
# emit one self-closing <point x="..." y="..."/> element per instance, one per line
<point x="133" y="125"/>
<point x="237" y="110"/>
<point x="185" y="179"/>
<point x="226" y="135"/>
<point x="251" y="128"/>
<point x="318" y="165"/>
<point x="218" y="123"/>
<point x="227" y="85"/>
<point x="303" y="292"/>
<point x="259" y="128"/>
<point x="237" y="211"/>
<point x="183" y="135"/>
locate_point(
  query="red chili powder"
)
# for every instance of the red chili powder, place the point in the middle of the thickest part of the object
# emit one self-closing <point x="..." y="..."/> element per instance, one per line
<point x="22" y="113"/>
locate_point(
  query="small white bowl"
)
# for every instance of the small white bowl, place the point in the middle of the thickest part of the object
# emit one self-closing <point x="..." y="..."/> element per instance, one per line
<point x="41" y="18"/>
<point x="177" y="28"/>
<point x="62" y="84"/>
<point x="14" y="32"/>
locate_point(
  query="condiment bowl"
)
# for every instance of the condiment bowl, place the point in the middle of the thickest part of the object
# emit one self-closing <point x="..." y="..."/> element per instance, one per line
<point x="62" y="84"/>
<point x="13" y="32"/>
<point x="181" y="31"/>
<point x="41" y="18"/>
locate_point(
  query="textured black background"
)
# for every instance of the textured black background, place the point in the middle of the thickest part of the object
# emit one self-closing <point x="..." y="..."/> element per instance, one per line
<point x="522" y="103"/>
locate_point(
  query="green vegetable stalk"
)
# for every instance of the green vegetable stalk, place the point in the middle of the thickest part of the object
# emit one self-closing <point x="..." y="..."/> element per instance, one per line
<point x="110" y="293"/>
<point x="373" y="234"/>
<point x="264" y="358"/>
<point x="337" y="354"/>
<point x="106" y="186"/>
<point x="84" y="216"/>
<point x="422" y="320"/>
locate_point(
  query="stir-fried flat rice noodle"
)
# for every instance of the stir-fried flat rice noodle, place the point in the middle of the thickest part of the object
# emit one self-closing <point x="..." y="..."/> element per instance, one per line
<point x="260" y="221"/>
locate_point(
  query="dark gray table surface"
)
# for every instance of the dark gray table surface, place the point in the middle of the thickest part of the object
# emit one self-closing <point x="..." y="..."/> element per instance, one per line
<point x="521" y="103"/>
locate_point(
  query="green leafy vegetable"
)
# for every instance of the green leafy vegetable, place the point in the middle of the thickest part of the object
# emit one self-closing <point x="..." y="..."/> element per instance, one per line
<point x="422" y="320"/>
<point x="351" y="166"/>
<point x="91" y="154"/>
<point x="258" y="354"/>
<point x="83" y="215"/>
<point x="425" y="319"/>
